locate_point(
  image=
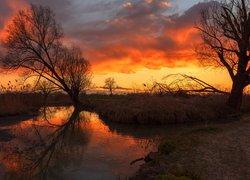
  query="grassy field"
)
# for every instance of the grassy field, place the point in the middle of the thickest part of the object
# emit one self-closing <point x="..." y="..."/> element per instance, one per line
<point x="212" y="151"/>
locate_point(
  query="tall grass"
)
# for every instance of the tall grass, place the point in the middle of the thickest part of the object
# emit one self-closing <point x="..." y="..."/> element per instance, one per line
<point x="19" y="103"/>
<point x="16" y="103"/>
<point x="134" y="109"/>
<point x="154" y="109"/>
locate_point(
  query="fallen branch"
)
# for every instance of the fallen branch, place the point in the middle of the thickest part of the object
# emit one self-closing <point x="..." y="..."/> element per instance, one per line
<point x="185" y="84"/>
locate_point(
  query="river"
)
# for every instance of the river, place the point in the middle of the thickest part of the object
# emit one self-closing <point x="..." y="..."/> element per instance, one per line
<point x="63" y="144"/>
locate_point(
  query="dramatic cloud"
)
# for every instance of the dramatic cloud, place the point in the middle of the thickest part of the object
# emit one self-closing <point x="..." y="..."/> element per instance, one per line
<point x="142" y="35"/>
<point x="124" y="36"/>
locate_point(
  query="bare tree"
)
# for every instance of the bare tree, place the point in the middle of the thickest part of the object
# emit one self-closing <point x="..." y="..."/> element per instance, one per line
<point x="34" y="44"/>
<point x="110" y="84"/>
<point x="225" y="30"/>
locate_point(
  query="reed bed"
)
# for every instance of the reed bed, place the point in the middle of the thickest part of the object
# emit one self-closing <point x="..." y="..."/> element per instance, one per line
<point x="19" y="103"/>
<point x="155" y="109"/>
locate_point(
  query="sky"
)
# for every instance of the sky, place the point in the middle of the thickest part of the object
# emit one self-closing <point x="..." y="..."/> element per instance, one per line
<point x="134" y="41"/>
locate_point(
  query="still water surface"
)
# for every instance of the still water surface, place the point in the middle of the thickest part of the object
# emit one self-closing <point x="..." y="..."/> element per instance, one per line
<point x="63" y="144"/>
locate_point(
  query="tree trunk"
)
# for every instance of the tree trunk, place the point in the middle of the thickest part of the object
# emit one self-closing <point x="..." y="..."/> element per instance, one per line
<point x="111" y="91"/>
<point x="236" y="95"/>
<point x="76" y="101"/>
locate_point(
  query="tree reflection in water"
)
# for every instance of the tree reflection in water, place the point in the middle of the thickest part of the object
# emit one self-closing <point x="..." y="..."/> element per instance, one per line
<point x="67" y="144"/>
<point x="47" y="147"/>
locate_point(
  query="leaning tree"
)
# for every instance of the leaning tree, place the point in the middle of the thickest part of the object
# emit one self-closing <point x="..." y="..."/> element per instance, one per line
<point x="34" y="44"/>
<point x="225" y="31"/>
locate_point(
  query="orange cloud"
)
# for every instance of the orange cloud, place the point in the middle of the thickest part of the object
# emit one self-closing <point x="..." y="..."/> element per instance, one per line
<point x="151" y="59"/>
<point x="143" y="36"/>
<point x="144" y="51"/>
<point x="16" y="5"/>
<point x="127" y="5"/>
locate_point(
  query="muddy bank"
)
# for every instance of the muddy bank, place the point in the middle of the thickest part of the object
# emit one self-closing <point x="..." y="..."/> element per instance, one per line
<point x="218" y="152"/>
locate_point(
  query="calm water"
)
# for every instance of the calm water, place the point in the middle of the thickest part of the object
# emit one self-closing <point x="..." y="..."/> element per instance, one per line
<point x="64" y="144"/>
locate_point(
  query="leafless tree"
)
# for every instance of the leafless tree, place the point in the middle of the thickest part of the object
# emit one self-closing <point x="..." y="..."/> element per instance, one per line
<point x="110" y="84"/>
<point x="225" y="31"/>
<point x="34" y="44"/>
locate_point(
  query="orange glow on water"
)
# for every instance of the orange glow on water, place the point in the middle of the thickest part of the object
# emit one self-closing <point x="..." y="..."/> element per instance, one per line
<point x="102" y="144"/>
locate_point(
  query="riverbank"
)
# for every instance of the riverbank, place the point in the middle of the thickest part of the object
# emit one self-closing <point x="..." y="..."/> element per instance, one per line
<point x="14" y="104"/>
<point x="25" y="104"/>
<point x="212" y="151"/>
<point x="130" y="109"/>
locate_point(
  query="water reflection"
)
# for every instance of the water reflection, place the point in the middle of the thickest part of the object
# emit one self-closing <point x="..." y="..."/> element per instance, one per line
<point x="45" y="147"/>
<point x="65" y="144"/>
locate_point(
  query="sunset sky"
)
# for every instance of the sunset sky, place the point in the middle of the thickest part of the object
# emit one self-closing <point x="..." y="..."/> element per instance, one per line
<point x="133" y="41"/>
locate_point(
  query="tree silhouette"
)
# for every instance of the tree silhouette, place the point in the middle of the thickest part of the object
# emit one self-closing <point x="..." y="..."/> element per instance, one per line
<point x="110" y="84"/>
<point x="225" y="31"/>
<point x="34" y="44"/>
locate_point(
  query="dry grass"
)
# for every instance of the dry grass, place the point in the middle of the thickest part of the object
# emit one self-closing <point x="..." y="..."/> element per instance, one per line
<point x="146" y="109"/>
<point x="19" y="103"/>
<point x="133" y="109"/>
